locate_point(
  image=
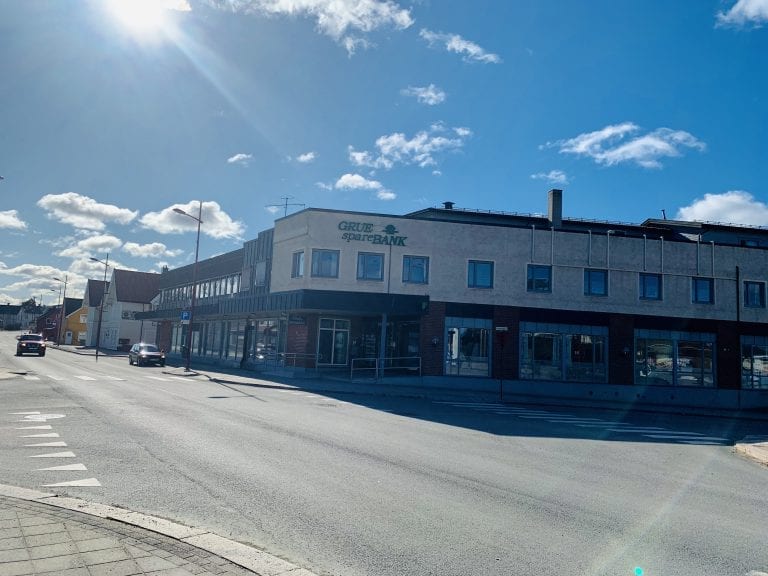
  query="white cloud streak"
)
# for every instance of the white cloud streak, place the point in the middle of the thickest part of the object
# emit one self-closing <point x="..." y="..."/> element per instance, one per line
<point x="83" y="212"/>
<point x="10" y="219"/>
<point x="421" y="149"/>
<point x="342" y="20"/>
<point x="152" y="250"/>
<point x="216" y="222"/>
<point x="306" y="158"/>
<point x="745" y="12"/>
<point x="242" y="159"/>
<point x="553" y="177"/>
<point x="469" y="51"/>
<point x="620" y="143"/>
<point x="430" y="95"/>
<point x="733" y="207"/>
<point x="358" y="182"/>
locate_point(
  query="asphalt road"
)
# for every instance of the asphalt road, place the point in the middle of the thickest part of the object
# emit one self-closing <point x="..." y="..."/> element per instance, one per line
<point x="376" y="485"/>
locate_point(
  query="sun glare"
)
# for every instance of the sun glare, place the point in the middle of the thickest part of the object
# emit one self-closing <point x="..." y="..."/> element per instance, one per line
<point x="143" y="17"/>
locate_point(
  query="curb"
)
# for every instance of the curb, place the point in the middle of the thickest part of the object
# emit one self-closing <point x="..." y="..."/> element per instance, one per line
<point x="757" y="452"/>
<point x="247" y="557"/>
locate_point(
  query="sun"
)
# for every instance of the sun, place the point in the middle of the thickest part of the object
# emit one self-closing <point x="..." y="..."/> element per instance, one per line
<point x="145" y="17"/>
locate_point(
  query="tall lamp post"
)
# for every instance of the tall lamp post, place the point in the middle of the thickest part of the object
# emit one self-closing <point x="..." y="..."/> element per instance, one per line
<point x="101" y="306"/>
<point x="63" y="308"/>
<point x="199" y="220"/>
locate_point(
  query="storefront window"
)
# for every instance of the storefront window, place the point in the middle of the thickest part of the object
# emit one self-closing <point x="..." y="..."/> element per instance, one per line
<point x="468" y="351"/>
<point x="674" y="358"/>
<point x="333" y="342"/>
<point x="562" y="352"/>
<point x="754" y="362"/>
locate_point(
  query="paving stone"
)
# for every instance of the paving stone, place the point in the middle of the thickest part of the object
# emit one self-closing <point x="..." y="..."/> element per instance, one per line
<point x="50" y="550"/>
<point x="14" y="555"/>
<point x="121" y="568"/>
<point x="47" y="539"/>
<point x="11" y="543"/>
<point x="58" y="563"/>
<point x="153" y="563"/>
<point x="102" y="543"/>
<point x="104" y="556"/>
<point x="9" y="523"/>
<point x="43" y="529"/>
<point x="10" y="533"/>
<point x="16" y="568"/>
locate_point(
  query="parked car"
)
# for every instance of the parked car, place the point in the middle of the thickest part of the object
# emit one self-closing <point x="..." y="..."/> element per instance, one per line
<point x="142" y="354"/>
<point x="30" y="344"/>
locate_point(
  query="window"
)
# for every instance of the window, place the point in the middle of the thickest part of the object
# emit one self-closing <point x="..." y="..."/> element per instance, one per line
<point x="754" y="294"/>
<point x="297" y="265"/>
<point x="480" y="274"/>
<point x="539" y="278"/>
<point x="650" y="286"/>
<point x="416" y="269"/>
<point x="370" y="266"/>
<point x="596" y="282"/>
<point x="325" y="263"/>
<point x="260" y="274"/>
<point x="333" y="341"/>
<point x="703" y="290"/>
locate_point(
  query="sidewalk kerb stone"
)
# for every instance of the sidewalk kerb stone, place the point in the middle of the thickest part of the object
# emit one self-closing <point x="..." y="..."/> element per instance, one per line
<point x="245" y="556"/>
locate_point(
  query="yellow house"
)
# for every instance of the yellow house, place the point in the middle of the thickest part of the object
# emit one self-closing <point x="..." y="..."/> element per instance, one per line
<point x="75" y="329"/>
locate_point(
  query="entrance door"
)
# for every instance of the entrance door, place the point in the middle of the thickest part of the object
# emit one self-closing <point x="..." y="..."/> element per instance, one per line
<point x="467" y="351"/>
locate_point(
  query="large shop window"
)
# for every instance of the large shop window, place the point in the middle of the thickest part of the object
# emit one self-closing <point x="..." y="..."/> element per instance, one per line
<point x="325" y="263"/>
<point x="333" y="342"/>
<point x="468" y="346"/>
<point x="674" y="358"/>
<point x="754" y="362"/>
<point x="563" y="352"/>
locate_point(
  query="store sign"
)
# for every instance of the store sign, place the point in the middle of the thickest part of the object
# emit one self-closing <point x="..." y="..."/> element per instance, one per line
<point x="368" y="232"/>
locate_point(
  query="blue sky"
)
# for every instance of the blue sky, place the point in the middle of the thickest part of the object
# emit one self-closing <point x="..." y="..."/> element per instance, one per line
<point x="113" y="112"/>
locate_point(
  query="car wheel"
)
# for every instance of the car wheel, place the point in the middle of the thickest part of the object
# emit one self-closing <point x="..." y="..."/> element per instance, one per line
<point x="41" y="353"/>
<point x="130" y="362"/>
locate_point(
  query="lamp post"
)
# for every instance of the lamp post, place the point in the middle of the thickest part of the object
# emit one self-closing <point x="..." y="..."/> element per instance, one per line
<point x="101" y="306"/>
<point x="199" y="220"/>
<point x="63" y="307"/>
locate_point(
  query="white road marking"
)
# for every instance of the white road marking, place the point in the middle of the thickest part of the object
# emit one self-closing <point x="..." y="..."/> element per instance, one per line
<point x="182" y="378"/>
<point x="42" y="417"/>
<point x="27" y="377"/>
<point x="23" y="413"/>
<point x="43" y="427"/>
<point x="55" y="455"/>
<point x="84" y="482"/>
<point x="65" y="468"/>
<point x="115" y="378"/>
<point x="59" y="444"/>
<point x="46" y="435"/>
<point x="53" y="377"/>
<point x="159" y="378"/>
<point x="85" y="378"/>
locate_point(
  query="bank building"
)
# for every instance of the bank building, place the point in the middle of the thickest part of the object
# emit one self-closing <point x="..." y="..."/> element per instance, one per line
<point x="664" y="311"/>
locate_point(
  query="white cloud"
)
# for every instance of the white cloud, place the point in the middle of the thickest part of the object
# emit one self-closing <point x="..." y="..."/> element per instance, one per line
<point x="216" y="222"/>
<point x="734" y="207"/>
<point x="553" y="177"/>
<point x="152" y="250"/>
<point x="83" y="212"/>
<point x="470" y="51"/>
<point x="10" y="219"/>
<point x="610" y="145"/>
<point x="96" y="244"/>
<point x="430" y="95"/>
<point x="358" y="182"/>
<point x="420" y="150"/>
<point x="744" y="12"/>
<point x="324" y="185"/>
<point x="242" y="159"/>
<point x="342" y="20"/>
<point x="306" y="158"/>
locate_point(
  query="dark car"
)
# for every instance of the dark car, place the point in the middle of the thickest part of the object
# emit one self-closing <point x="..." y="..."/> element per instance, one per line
<point x="30" y="344"/>
<point x="142" y="354"/>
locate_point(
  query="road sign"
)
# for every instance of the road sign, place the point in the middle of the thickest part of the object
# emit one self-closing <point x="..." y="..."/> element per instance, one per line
<point x="185" y="315"/>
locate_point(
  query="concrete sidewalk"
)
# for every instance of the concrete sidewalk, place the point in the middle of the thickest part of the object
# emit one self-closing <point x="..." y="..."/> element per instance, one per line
<point x="42" y="533"/>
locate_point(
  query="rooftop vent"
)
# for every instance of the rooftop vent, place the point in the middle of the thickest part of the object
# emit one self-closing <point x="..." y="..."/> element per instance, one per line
<point x="555" y="212"/>
<point x="448" y="205"/>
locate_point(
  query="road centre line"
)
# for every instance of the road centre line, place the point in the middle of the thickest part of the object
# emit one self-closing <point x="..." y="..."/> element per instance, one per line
<point x="46" y="435"/>
<point x="59" y="444"/>
<point x="28" y="377"/>
<point x="89" y="378"/>
<point x="65" y="468"/>
<point x="54" y="455"/>
<point x="43" y="427"/>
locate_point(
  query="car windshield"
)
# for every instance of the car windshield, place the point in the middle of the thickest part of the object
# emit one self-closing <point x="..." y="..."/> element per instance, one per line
<point x="149" y="348"/>
<point x="35" y="337"/>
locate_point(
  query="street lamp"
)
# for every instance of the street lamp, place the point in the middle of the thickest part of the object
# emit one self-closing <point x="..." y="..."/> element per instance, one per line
<point x="194" y="279"/>
<point x="63" y="307"/>
<point x="101" y="307"/>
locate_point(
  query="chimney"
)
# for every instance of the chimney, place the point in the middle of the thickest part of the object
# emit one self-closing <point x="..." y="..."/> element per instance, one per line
<point x="555" y="211"/>
<point x="448" y="205"/>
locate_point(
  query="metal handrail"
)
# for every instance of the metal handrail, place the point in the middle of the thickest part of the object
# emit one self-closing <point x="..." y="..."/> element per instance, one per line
<point x="381" y="365"/>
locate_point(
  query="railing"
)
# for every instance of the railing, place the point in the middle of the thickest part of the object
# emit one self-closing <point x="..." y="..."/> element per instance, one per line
<point x="410" y="365"/>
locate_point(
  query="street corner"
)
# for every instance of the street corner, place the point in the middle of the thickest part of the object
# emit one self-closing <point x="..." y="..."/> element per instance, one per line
<point x="754" y="449"/>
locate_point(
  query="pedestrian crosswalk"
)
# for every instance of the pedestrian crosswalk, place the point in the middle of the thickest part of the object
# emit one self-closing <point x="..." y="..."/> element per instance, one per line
<point x="612" y="427"/>
<point x="100" y="378"/>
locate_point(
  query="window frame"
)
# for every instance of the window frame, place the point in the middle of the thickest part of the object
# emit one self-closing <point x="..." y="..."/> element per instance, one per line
<point x="316" y="264"/>
<point x="761" y="294"/>
<point x="531" y="279"/>
<point x="297" y="264"/>
<point x="588" y="273"/>
<point x="642" y="290"/>
<point x="407" y="267"/>
<point x="472" y="275"/>
<point x="695" y="280"/>
<point x="362" y="267"/>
